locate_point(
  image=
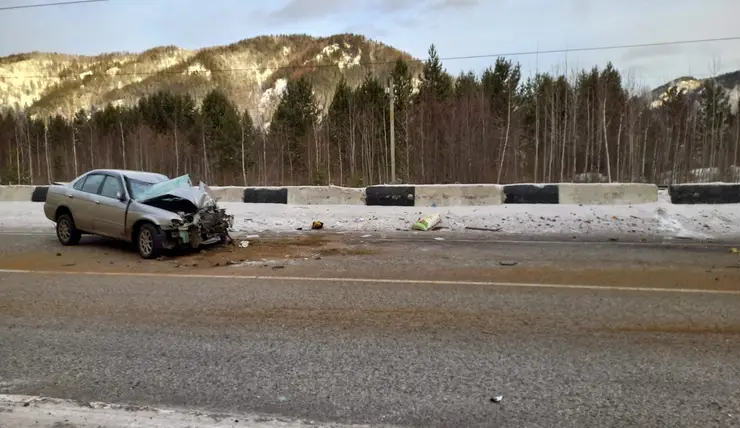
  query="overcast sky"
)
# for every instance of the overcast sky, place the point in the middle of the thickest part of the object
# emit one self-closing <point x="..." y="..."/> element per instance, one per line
<point x="457" y="27"/>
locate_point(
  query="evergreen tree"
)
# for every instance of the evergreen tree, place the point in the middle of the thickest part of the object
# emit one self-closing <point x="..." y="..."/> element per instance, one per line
<point x="340" y="123"/>
<point x="466" y="84"/>
<point x="714" y="113"/>
<point x="435" y="82"/>
<point x="402" y="93"/>
<point x="222" y="129"/>
<point x="401" y="84"/>
<point x="247" y="141"/>
<point x="295" y="119"/>
<point x="500" y="84"/>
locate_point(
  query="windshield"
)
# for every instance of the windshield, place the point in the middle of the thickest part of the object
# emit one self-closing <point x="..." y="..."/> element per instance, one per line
<point x="136" y="188"/>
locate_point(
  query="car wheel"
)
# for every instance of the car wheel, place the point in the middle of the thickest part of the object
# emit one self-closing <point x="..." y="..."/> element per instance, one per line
<point x="67" y="232"/>
<point x="149" y="241"/>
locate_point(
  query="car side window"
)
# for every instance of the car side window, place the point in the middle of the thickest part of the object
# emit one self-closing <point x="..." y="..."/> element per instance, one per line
<point x="79" y="183"/>
<point x="92" y="183"/>
<point x="111" y="186"/>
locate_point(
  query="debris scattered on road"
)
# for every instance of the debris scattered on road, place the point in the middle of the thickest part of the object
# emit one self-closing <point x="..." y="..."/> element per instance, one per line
<point x="497" y="399"/>
<point x="366" y="236"/>
<point x="426" y="223"/>
<point x="316" y="225"/>
<point x="508" y="263"/>
<point x="439" y="239"/>
<point x="243" y="244"/>
<point x="483" y="229"/>
<point x="278" y="267"/>
<point x="59" y="254"/>
<point x="734" y="251"/>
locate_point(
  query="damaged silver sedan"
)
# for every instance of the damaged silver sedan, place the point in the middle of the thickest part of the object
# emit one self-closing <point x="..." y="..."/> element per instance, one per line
<point x="147" y="209"/>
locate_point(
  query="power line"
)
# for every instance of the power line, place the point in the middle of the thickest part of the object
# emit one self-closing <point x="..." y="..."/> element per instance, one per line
<point x="452" y="58"/>
<point x="62" y="3"/>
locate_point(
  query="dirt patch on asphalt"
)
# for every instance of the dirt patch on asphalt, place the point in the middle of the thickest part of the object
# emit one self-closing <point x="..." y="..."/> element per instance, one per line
<point x="114" y="256"/>
<point x="329" y="255"/>
<point x="270" y="251"/>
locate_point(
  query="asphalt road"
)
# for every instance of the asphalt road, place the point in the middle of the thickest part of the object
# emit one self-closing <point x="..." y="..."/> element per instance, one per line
<point x="653" y="341"/>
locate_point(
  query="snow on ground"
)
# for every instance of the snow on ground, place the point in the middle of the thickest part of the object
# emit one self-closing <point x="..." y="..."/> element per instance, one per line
<point x="31" y="411"/>
<point x="658" y="219"/>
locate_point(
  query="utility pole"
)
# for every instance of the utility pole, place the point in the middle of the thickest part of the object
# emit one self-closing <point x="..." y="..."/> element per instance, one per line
<point x="393" y="131"/>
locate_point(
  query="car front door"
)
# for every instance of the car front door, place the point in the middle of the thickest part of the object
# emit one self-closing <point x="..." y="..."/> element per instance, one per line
<point x="111" y="211"/>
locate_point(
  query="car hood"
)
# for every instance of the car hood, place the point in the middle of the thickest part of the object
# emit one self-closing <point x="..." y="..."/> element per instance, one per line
<point x="178" y="195"/>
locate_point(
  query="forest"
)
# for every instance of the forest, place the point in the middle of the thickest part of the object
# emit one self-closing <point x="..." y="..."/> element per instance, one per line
<point x="492" y="127"/>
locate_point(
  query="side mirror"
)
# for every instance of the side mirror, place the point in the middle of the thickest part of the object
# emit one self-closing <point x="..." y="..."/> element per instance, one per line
<point x="120" y="196"/>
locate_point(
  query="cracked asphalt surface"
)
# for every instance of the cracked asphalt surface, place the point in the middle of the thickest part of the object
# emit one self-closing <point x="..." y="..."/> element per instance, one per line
<point x="424" y="354"/>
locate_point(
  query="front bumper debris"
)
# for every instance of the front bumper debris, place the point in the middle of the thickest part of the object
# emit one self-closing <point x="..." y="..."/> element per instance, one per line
<point x="207" y="226"/>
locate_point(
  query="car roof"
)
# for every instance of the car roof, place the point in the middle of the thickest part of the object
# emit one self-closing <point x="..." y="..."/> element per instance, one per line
<point x="149" y="177"/>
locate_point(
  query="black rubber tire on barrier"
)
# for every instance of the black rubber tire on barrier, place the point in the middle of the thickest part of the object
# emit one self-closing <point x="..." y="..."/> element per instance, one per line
<point x="390" y="196"/>
<point x="531" y="194"/>
<point x="39" y="194"/>
<point x="689" y="194"/>
<point x="254" y="195"/>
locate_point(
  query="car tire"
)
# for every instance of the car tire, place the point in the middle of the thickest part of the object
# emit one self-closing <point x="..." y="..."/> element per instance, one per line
<point x="67" y="232"/>
<point x="149" y="241"/>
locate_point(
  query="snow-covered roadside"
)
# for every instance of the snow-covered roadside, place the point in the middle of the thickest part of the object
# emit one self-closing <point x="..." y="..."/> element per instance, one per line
<point x="21" y="411"/>
<point x="659" y="219"/>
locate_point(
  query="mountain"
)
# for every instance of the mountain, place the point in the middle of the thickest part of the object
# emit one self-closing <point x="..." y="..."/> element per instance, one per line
<point x="690" y="85"/>
<point x="252" y="72"/>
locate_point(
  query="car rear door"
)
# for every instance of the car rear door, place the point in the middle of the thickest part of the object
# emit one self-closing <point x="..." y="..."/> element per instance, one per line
<point x="110" y="211"/>
<point x="83" y="202"/>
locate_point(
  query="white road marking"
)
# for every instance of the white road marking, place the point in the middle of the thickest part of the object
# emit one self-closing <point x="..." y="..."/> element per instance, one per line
<point x="671" y="242"/>
<point x="375" y="281"/>
<point x="21" y="411"/>
<point x="28" y="233"/>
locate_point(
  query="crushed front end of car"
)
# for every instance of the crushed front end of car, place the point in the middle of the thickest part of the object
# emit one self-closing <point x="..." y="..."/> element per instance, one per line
<point x="201" y="221"/>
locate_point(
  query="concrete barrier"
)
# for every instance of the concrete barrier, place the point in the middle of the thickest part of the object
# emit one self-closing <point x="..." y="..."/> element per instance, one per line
<point x="326" y="195"/>
<point x="446" y="195"/>
<point x="711" y="193"/>
<point x="607" y="193"/>
<point x="427" y="195"/>
<point x="16" y="193"/>
<point x="228" y="194"/>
